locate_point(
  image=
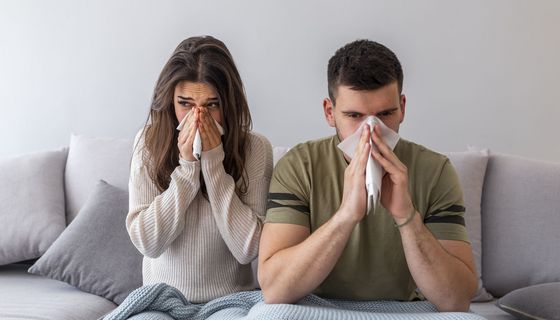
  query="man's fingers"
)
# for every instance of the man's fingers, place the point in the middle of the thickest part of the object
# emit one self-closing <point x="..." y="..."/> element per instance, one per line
<point x="386" y="164"/>
<point x="363" y="139"/>
<point x="363" y="159"/>
<point x="359" y="162"/>
<point x="378" y="139"/>
<point x="384" y="149"/>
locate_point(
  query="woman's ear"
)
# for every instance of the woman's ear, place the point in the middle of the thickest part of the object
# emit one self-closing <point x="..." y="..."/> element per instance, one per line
<point x="328" y="109"/>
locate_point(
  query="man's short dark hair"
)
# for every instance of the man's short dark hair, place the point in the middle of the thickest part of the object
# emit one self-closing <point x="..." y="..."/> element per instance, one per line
<point x="363" y="65"/>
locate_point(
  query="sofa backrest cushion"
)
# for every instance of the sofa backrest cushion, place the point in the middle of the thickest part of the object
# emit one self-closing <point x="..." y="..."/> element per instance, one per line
<point x="520" y="223"/>
<point x="90" y="160"/>
<point x="32" y="204"/>
<point x="471" y="169"/>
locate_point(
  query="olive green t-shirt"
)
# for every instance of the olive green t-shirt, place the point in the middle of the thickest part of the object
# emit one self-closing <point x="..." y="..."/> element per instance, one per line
<point x="306" y="189"/>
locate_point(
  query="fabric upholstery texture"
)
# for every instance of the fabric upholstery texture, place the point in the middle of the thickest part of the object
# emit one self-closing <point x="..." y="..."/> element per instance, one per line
<point x="32" y="198"/>
<point x="28" y="296"/>
<point x="89" y="160"/>
<point x="471" y="169"/>
<point x="520" y="220"/>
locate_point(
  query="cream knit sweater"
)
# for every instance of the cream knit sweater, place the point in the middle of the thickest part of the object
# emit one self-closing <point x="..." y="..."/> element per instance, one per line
<point x="202" y="247"/>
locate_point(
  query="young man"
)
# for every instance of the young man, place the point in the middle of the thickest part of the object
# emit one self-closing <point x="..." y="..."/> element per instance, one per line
<point x="318" y="236"/>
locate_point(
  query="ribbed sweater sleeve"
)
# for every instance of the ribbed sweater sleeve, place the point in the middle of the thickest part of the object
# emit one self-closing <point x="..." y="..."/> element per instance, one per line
<point x="155" y="218"/>
<point x="239" y="219"/>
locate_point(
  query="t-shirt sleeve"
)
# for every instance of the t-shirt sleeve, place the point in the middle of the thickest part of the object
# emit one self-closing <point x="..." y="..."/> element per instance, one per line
<point x="288" y="197"/>
<point x="445" y="215"/>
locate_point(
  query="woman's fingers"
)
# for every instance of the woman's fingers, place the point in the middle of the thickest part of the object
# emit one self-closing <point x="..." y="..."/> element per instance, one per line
<point x="186" y="136"/>
<point x="209" y="133"/>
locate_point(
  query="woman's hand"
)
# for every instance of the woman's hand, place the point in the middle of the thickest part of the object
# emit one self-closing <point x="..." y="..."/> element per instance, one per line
<point x="186" y="136"/>
<point x="209" y="133"/>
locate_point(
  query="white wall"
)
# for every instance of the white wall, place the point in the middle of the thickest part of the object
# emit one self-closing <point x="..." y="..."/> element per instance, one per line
<point x="477" y="72"/>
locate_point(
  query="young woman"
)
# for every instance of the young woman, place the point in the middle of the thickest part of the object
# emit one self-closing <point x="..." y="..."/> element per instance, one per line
<point x="198" y="221"/>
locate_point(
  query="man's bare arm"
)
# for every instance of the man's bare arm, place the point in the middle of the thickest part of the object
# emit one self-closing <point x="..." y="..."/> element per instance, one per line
<point x="443" y="270"/>
<point x="292" y="263"/>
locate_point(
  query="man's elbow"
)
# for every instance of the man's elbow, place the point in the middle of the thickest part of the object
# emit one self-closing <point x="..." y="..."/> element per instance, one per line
<point x="272" y="294"/>
<point x="275" y="296"/>
<point x="461" y="300"/>
<point x="457" y="303"/>
<point x="454" y="306"/>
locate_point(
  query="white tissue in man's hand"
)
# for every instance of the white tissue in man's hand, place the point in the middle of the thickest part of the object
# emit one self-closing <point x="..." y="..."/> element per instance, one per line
<point x="374" y="171"/>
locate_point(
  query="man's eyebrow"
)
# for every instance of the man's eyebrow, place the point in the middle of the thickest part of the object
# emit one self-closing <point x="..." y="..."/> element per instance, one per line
<point x="351" y="112"/>
<point x="388" y="110"/>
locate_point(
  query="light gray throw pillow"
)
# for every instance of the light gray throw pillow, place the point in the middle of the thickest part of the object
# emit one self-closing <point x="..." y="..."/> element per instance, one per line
<point x="94" y="253"/>
<point x="32" y="198"/>
<point x="90" y="160"/>
<point x="535" y="302"/>
<point x="471" y="169"/>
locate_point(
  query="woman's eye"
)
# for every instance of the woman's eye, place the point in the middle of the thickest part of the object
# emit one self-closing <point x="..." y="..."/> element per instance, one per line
<point x="213" y="105"/>
<point x="185" y="104"/>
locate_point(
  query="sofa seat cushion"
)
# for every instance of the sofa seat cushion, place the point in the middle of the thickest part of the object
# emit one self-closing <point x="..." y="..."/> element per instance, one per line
<point x="490" y="311"/>
<point x="27" y="296"/>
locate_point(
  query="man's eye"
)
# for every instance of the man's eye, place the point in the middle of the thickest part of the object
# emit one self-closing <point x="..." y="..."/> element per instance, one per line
<point x="354" y="115"/>
<point x="386" y="114"/>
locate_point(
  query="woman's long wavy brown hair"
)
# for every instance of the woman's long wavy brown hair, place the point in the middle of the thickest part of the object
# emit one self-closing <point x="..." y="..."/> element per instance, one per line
<point x="197" y="59"/>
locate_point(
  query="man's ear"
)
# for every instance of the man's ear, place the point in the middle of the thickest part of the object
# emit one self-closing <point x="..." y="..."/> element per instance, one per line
<point x="403" y="107"/>
<point x="328" y="108"/>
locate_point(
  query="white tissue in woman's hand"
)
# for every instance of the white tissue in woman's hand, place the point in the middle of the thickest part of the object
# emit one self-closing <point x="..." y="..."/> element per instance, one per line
<point x="197" y="143"/>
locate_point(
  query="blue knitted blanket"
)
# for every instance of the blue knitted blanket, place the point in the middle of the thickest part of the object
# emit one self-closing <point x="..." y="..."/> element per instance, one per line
<point x="161" y="301"/>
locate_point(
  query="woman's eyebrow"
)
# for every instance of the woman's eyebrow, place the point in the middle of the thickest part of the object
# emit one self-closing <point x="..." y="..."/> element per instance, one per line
<point x="211" y="99"/>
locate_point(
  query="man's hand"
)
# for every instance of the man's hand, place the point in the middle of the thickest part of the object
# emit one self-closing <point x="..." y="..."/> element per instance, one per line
<point x="353" y="206"/>
<point x="312" y="256"/>
<point x="186" y="136"/>
<point x="395" y="195"/>
<point x="438" y="267"/>
<point x="209" y="133"/>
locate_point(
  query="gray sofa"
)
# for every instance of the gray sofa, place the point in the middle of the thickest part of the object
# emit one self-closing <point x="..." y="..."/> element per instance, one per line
<point x="513" y="210"/>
